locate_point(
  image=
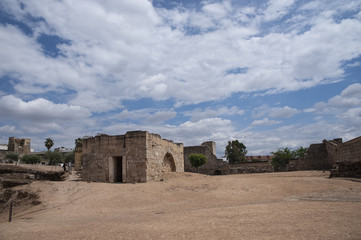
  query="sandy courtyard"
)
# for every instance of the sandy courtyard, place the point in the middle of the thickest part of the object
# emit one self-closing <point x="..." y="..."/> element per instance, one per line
<point x="292" y="205"/>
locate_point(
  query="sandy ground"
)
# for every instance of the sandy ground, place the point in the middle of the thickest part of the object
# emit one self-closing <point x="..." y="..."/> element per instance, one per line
<point x="292" y="205"/>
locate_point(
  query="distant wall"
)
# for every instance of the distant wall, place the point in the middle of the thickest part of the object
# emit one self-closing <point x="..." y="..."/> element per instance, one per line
<point x="212" y="166"/>
<point x="323" y="156"/>
<point x="251" y="167"/>
<point x="19" y="145"/>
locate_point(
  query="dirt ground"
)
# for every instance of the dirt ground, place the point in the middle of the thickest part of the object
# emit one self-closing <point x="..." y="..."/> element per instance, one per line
<point x="291" y="205"/>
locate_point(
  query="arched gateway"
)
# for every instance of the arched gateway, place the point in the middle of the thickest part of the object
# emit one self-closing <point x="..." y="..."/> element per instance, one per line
<point x="168" y="163"/>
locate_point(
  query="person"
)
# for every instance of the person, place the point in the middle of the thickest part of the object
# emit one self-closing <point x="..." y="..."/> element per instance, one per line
<point x="64" y="166"/>
<point x="69" y="167"/>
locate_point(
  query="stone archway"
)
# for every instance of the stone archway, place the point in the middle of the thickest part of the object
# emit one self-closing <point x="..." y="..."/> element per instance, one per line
<point x="168" y="163"/>
<point x="218" y="172"/>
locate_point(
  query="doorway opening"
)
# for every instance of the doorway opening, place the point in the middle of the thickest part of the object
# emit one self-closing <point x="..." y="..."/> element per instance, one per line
<point x="118" y="165"/>
<point x="168" y="163"/>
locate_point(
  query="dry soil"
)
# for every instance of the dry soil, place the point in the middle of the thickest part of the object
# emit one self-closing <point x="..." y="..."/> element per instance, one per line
<point x="291" y="205"/>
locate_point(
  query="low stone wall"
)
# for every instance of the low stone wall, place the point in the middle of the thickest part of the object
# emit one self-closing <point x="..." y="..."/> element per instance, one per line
<point x="347" y="169"/>
<point x="249" y="167"/>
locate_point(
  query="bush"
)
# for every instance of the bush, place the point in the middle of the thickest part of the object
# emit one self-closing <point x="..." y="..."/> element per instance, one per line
<point x="69" y="157"/>
<point x="31" y="159"/>
<point x="197" y="160"/>
<point x="12" y="157"/>
<point x="54" y="157"/>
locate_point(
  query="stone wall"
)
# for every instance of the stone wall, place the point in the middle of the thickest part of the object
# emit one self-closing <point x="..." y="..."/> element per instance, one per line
<point x="215" y="166"/>
<point x="212" y="166"/>
<point x="78" y="153"/>
<point x="19" y="145"/>
<point x="315" y="158"/>
<point x="251" y="167"/>
<point x="323" y="156"/>
<point x="137" y="156"/>
<point x="350" y="151"/>
<point x="163" y="156"/>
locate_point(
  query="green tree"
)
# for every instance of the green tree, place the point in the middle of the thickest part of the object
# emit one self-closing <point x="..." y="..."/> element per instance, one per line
<point x="300" y="152"/>
<point x="282" y="157"/>
<point x="12" y="157"/>
<point x="197" y="160"/>
<point x="69" y="157"/>
<point x="54" y="157"/>
<point x="78" y="142"/>
<point x="31" y="159"/>
<point x="49" y="143"/>
<point x="235" y="152"/>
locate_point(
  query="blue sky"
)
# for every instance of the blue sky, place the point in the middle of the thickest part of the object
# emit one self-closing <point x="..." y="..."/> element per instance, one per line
<point x="271" y="74"/>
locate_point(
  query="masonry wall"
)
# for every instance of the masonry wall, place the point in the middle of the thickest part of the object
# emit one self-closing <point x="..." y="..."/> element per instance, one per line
<point x="350" y="151"/>
<point x="19" y="145"/>
<point x="315" y="158"/>
<point x="78" y="153"/>
<point x="163" y="156"/>
<point x="212" y="166"/>
<point x="251" y="167"/>
<point x="99" y="151"/>
<point x="143" y="157"/>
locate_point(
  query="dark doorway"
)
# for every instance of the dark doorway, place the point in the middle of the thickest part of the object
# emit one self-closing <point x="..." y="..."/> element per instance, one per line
<point x="118" y="169"/>
<point x="218" y="172"/>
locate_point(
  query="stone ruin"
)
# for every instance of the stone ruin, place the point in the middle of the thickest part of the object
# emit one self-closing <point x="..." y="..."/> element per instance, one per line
<point x="215" y="166"/>
<point x="20" y="146"/>
<point x="343" y="159"/>
<point x="137" y="156"/>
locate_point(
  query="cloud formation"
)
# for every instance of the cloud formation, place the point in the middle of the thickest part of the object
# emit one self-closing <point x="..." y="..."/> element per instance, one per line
<point x="213" y="69"/>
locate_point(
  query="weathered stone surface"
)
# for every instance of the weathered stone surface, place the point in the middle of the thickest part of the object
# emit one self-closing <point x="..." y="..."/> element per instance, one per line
<point x="215" y="166"/>
<point x="323" y="156"/>
<point x="137" y="156"/>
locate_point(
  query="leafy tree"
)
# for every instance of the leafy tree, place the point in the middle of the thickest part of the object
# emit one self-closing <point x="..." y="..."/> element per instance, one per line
<point x="282" y="157"/>
<point x="69" y="157"/>
<point x="12" y="157"/>
<point x="49" y="143"/>
<point x="78" y="142"/>
<point x="54" y="157"/>
<point x="197" y="160"/>
<point x="31" y="159"/>
<point x="300" y="152"/>
<point x="235" y="152"/>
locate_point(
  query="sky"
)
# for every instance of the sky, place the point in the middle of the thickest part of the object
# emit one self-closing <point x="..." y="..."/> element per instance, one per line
<point x="271" y="74"/>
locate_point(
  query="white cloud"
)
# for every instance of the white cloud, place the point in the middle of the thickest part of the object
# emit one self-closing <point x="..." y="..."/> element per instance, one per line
<point x="265" y="122"/>
<point x="39" y="110"/>
<point x="147" y="116"/>
<point x="275" y="112"/>
<point x="198" y="114"/>
<point x="277" y="9"/>
<point x="117" y="49"/>
<point x="349" y="97"/>
<point x="8" y="130"/>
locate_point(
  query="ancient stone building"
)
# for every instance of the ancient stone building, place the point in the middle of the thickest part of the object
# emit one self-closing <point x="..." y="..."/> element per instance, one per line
<point x="137" y="156"/>
<point x="329" y="153"/>
<point x="19" y="145"/>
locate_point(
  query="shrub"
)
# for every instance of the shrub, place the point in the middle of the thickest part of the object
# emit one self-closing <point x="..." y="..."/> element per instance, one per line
<point x="197" y="160"/>
<point x="69" y="157"/>
<point x="31" y="159"/>
<point x="54" y="157"/>
<point x="12" y="157"/>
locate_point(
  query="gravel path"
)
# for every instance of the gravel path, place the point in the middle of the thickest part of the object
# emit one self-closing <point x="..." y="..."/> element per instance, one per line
<point x="292" y="205"/>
